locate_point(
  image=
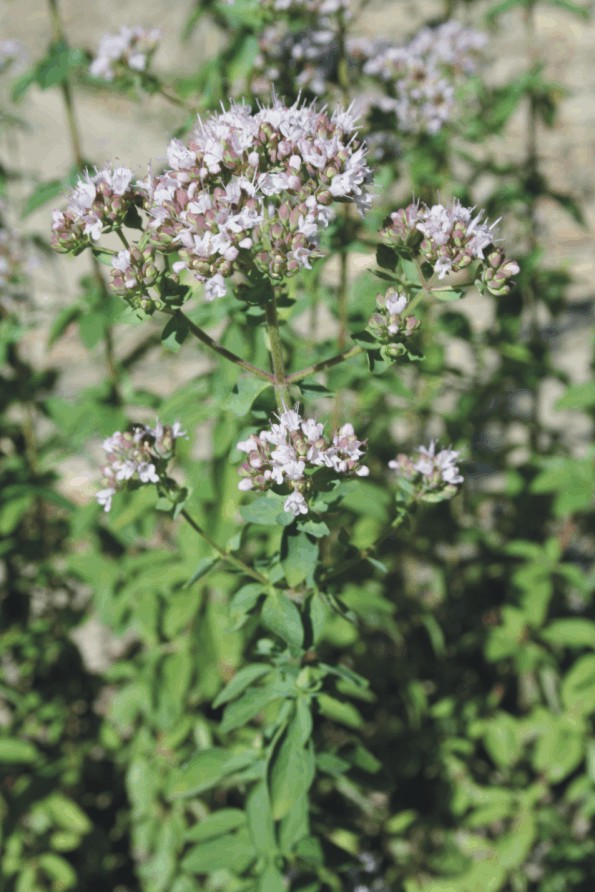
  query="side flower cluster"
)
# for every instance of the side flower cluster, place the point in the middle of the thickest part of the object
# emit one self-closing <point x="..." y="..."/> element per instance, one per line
<point x="253" y="192"/>
<point x="417" y="83"/>
<point x="136" y="458"/>
<point x="130" y="49"/>
<point x="450" y="239"/>
<point x="422" y="76"/>
<point x="288" y="453"/>
<point x="97" y="204"/>
<point x="434" y="475"/>
<point x="391" y="323"/>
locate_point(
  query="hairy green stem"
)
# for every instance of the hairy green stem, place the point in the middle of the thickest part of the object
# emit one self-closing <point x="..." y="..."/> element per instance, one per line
<point x="223" y="554"/>
<point x="324" y="364"/>
<point x="276" y="351"/>
<point x="208" y="341"/>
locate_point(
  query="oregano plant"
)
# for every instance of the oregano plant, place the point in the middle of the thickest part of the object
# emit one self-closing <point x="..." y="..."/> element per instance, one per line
<point x="239" y="213"/>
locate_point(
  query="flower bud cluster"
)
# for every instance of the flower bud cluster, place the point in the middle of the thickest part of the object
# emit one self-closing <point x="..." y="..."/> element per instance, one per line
<point x="137" y="457"/>
<point x="450" y="239"/>
<point x="130" y="49"/>
<point x="435" y="475"/>
<point x="132" y="274"/>
<point x="97" y="204"/>
<point x="422" y="77"/>
<point x="498" y="271"/>
<point x="284" y="454"/>
<point x="252" y="192"/>
<point x="391" y="324"/>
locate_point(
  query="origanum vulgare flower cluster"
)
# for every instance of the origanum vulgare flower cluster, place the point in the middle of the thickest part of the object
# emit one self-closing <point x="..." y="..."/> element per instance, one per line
<point x="391" y="323"/>
<point x="289" y="452"/>
<point x="251" y="193"/>
<point x="130" y="49"/>
<point x="415" y="82"/>
<point x="434" y="475"/>
<point x="137" y="457"/>
<point x="98" y="204"/>
<point x="421" y="77"/>
<point x="450" y="239"/>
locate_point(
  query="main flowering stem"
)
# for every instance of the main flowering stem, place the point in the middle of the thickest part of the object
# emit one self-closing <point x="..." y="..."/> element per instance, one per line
<point x="276" y="351"/>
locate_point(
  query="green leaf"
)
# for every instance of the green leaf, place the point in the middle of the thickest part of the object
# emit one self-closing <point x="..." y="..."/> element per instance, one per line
<point x="205" y="771"/>
<point x="202" y="569"/>
<point x="62" y="321"/>
<point x="239" y="402"/>
<point x="578" y="686"/>
<point x="15" y="751"/>
<point x="271" y="880"/>
<point x="247" y="707"/>
<point x="43" y="193"/>
<point x="241" y="680"/>
<point x="295" y="825"/>
<point x="571" y="632"/>
<point x="92" y="328"/>
<point x="578" y="396"/>
<point x="55" y="68"/>
<point x="316" y="528"/>
<point x="386" y="257"/>
<point x="243" y="602"/>
<point x="299" y="557"/>
<point x="175" y="333"/>
<point x="282" y="617"/>
<point x="260" y="820"/>
<point x="216" y="824"/>
<point x="234" y="852"/>
<point x="290" y="771"/>
<point x="58" y="869"/>
<point x="264" y="510"/>
<point x="502" y="740"/>
<point x="67" y="814"/>
<point x="344" y="713"/>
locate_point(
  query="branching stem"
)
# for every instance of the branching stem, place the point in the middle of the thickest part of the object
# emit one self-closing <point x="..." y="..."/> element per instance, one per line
<point x="223" y="554"/>
<point x="208" y="341"/>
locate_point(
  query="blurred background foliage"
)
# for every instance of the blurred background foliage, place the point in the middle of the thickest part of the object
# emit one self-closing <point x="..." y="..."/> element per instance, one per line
<point x="469" y="762"/>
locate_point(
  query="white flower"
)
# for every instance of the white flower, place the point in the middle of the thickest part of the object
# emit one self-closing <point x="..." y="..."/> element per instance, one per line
<point x="295" y="504"/>
<point x="105" y="496"/>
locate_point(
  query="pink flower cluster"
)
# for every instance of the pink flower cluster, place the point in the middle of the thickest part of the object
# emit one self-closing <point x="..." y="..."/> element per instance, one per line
<point x="449" y="239"/>
<point x="422" y="76"/>
<point x="128" y="50"/>
<point x="97" y="204"/>
<point x="435" y="473"/>
<point x="137" y="457"/>
<point x="416" y="82"/>
<point x="283" y="455"/>
<point x="252" y="192"/>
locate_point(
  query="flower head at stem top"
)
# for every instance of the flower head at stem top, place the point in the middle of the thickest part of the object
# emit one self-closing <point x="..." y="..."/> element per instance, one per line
<point x="292" y="450"/>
